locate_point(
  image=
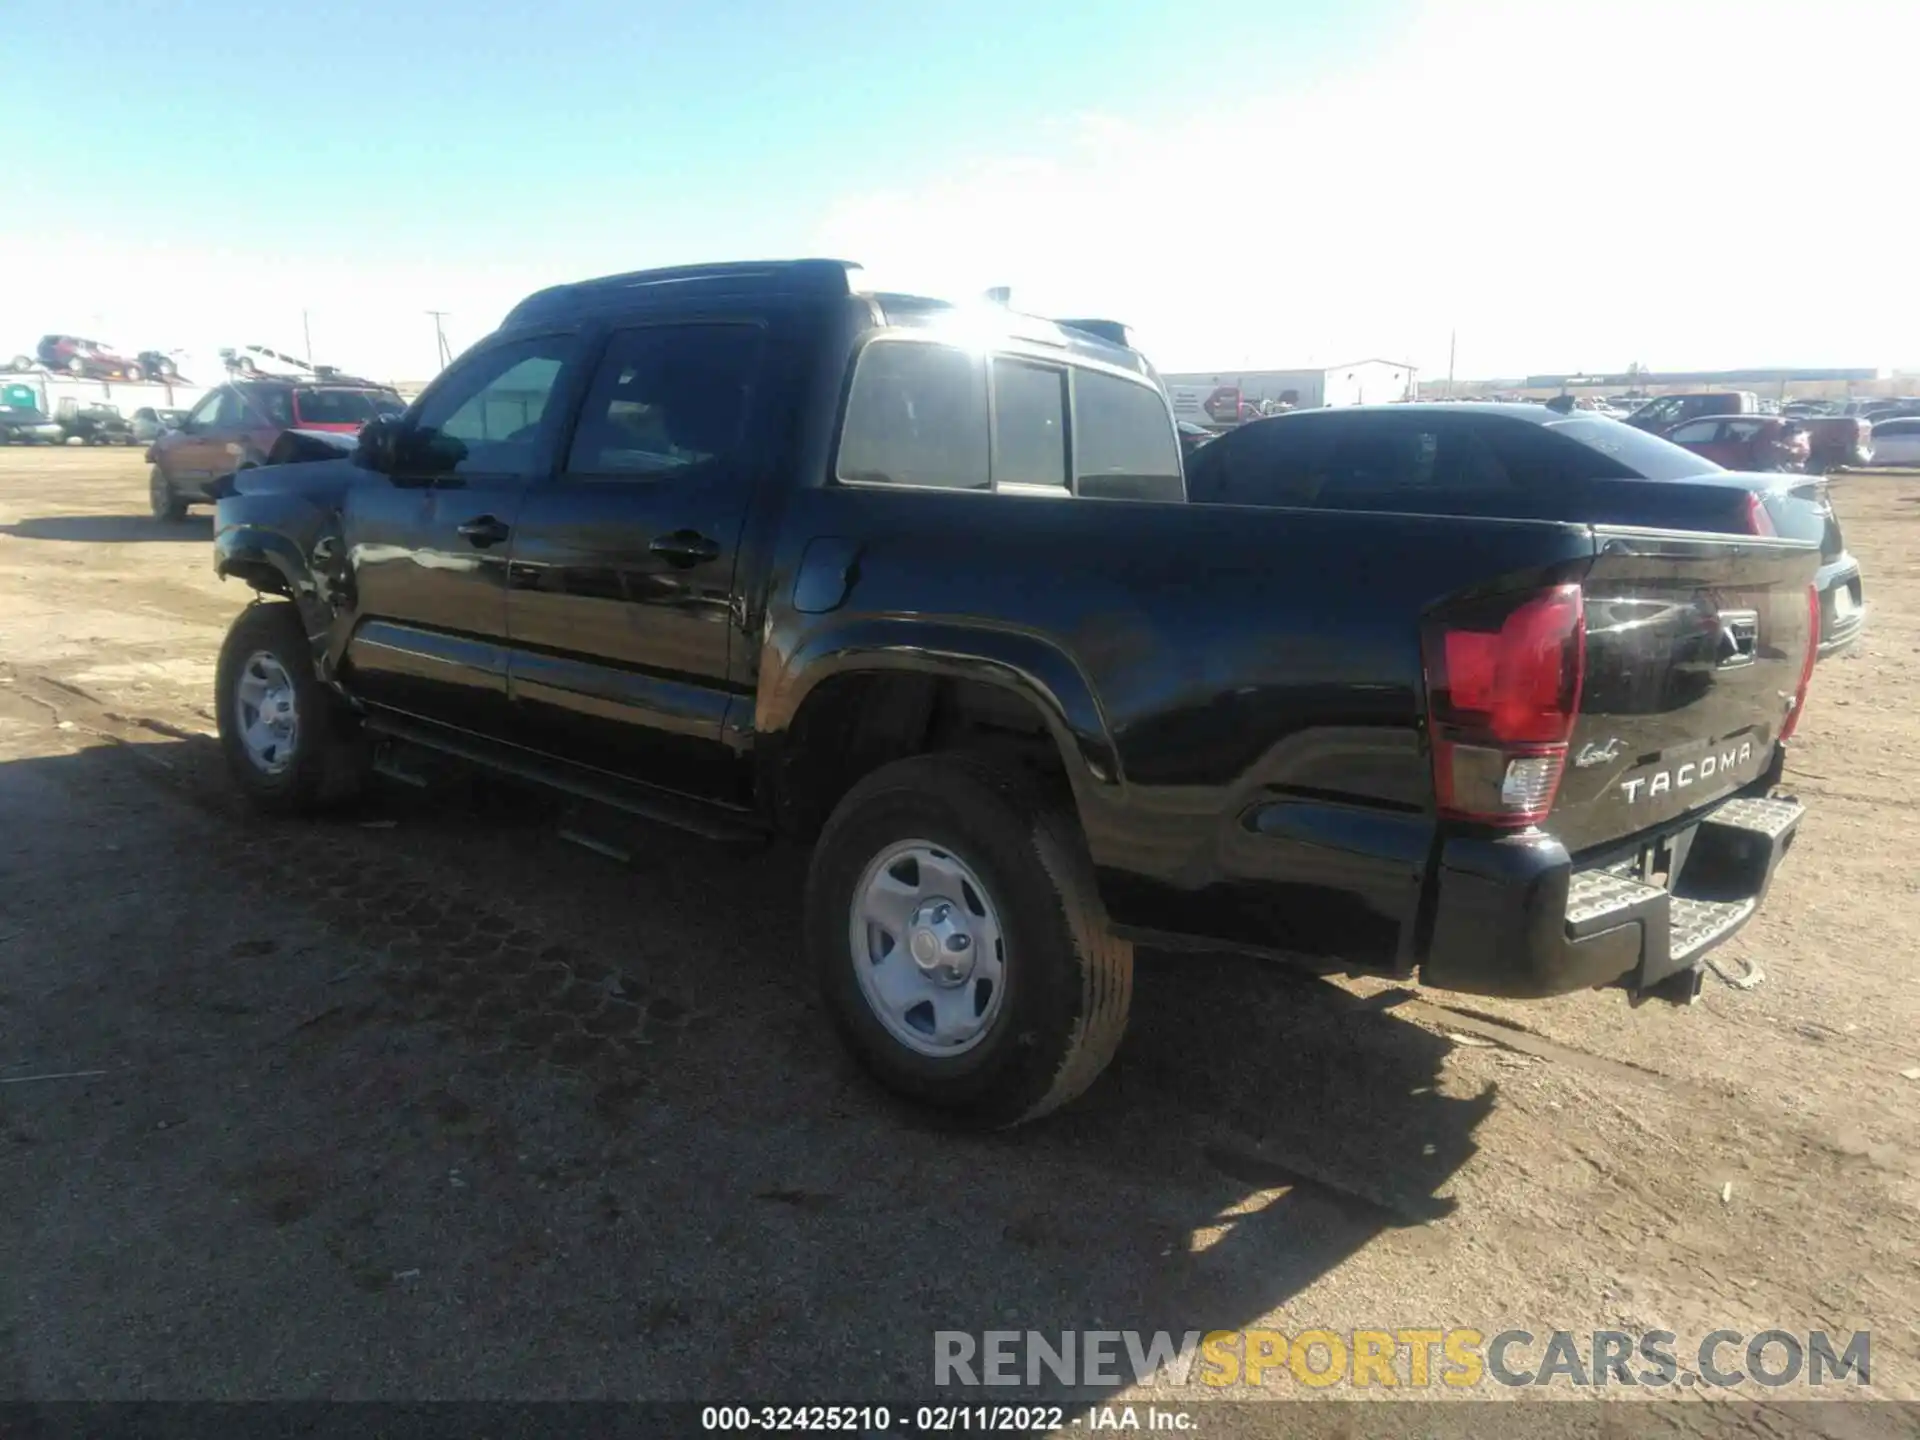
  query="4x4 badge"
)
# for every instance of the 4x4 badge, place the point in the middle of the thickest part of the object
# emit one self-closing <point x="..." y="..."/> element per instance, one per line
<point x="1591" y="754"/>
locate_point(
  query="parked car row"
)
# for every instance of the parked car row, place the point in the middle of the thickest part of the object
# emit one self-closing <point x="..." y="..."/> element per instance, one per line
<point x="95" y="424"/>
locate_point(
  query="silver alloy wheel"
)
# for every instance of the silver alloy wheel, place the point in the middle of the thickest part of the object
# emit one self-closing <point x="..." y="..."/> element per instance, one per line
<point x="928" y="949"/>
<point x="265" y="713"/>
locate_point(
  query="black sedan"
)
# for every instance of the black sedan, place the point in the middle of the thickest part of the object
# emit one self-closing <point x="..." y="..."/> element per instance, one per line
<point x="1522" y="460"/>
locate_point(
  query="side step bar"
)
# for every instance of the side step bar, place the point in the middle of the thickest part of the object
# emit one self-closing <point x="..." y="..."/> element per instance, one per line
<point x="713" y="822"/>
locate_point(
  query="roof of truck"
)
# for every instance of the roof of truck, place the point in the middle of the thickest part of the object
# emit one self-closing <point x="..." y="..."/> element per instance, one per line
<point x="817" y="279"/>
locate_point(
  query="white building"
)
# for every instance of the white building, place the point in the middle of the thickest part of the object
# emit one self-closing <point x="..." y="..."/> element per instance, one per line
<point x="1212" y="398"/>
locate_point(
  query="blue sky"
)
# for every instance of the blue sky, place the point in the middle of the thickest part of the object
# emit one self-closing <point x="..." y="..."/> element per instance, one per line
<point x="1251" y="185"/>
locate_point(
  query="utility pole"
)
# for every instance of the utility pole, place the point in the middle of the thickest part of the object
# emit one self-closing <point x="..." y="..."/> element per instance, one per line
<point x="306" y="332"/>
<point x="440" y="338"/>
<point x="1453" y="340"/>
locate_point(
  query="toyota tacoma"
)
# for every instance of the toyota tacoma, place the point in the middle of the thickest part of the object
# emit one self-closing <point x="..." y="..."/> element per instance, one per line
<point x="755" y="551"/>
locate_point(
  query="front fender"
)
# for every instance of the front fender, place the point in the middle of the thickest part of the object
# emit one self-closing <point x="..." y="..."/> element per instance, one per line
<point x="283" y="543"/>
<point x="1016" y="660"/>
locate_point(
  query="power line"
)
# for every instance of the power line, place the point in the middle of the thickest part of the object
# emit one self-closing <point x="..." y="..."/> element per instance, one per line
<point x="440" y="337"/>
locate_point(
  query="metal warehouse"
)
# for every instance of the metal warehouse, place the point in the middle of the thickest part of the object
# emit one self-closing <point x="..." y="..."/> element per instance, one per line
<point x="1357" y="382"/>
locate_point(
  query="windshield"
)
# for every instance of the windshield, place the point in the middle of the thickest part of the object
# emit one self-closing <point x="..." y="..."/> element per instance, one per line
<point x="1648" y="456"/>
<point x="337" y="407"/>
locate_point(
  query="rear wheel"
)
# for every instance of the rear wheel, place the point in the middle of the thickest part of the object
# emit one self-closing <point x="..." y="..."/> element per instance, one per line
<point x="135" y="373"/>
<point x="291" y="745"/>
<point x="76" y="366"/>
<point x="959" y="942"/>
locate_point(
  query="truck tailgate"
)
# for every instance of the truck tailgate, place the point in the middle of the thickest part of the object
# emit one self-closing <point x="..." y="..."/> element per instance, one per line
<point x="1696" y="647"/>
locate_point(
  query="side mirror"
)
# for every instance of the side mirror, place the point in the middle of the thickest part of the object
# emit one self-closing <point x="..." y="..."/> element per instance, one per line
<point x="378" y="446"/>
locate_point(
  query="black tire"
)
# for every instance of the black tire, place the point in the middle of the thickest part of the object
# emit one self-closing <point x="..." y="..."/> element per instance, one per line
<point x="330" y="761"/>
<point x="22" y="364"/>
<point x="1068" y="979"/>
<point x="165" y="502"/>
<point x="135" y="374"/>
<point x="76" y="366"/>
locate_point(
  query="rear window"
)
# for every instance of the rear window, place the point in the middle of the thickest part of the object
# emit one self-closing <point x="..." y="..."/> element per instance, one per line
<point x="1647" y="456"/>
<point x="336" y="407"/>
<point x="1030" y="424"/>
<point x="1124" y="443"/>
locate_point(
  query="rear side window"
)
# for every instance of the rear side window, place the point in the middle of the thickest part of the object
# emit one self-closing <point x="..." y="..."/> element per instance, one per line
<point x="1029" y="424"/>
<point x="1124" y="445"/>
<point x="917" y="415"/>
<point x="1634" y="451"/>
<point x="1699" y="432"/>
<point x="333" y="407"/>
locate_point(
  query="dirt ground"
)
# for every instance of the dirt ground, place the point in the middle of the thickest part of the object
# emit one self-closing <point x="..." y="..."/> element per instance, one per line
<point x="428" y="1102"/>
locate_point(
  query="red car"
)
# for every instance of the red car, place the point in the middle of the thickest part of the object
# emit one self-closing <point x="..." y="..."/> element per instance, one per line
<point x="1746" y="442"/>
<point x="235" y="426"/>
<point x="84" y="357"/>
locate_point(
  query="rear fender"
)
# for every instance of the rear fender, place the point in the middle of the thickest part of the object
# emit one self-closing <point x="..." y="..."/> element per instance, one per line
<point x="1014" y="660"/>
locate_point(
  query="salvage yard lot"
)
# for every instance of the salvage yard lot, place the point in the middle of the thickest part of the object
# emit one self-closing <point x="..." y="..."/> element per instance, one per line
<point x="427" y="1101"/>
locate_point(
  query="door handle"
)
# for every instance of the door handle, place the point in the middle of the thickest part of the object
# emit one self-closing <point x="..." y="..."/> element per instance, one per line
<point x="685" y="547"/>
<point x="482" y="531"/>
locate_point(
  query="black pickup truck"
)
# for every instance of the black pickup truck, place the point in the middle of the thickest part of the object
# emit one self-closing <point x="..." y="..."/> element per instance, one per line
<point x="753" y="551"/>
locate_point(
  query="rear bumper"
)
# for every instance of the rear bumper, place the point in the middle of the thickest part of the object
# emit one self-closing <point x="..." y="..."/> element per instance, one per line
<point x="1843" y="610"/>
<point x="1513" y="916"/>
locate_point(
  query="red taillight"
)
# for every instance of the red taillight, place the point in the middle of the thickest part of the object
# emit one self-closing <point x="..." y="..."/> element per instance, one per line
<point x="1503" y="688"/>
<point x="1792" y="722"/>
<point x="1759" y="522"/>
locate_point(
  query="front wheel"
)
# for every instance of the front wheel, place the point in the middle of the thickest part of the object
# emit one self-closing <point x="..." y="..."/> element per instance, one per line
<point x="290" y="744"/>
<point x="959" y="941"/>
<point x="167" y="506"/>
<point x="135" y="374"/>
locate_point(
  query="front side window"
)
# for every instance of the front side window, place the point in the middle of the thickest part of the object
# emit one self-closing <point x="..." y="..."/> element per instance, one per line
<point x="1124" y="444"/>
<point x="668" y="399"/>
<point x="1029" y="424"/>
<point x="487" y="417"/>
<point x="230" y="411"/>
<point x="917" y="415"/>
